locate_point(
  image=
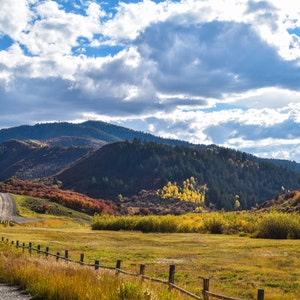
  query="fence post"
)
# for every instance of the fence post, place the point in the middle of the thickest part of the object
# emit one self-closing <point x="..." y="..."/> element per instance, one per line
<point x="57" y="256"/>
<point x="30" y="248"/>
<point x="23" y="246"/>
<point x="172" y="274"/>
<point x="38" y="248"/>
<point x="81" y="258"/>
<point x="142" y="270"/>
<point x="66" y="255"/>
<point x="97" y="264"/>
<point x="260" y="294"/>
<point x="118" y="266"/>
<point x="47" y="251"/>
<point x="205" y="289"/>
<point x="2" y="239"/>
<point x="17" y="244"/>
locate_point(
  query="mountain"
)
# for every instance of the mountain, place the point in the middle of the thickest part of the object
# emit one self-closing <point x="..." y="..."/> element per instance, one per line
<point x="33" y="152"/>
<point x="106" y="161"/>
<point x="32" y="159"/>
<point x="97" y="133"/>
<point x="89" y="133"/>
<point x="126" y="168"/>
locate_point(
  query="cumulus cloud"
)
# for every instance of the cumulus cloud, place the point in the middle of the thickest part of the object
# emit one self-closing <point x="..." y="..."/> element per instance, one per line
<point x="224" y="72"/>
<point x="14" y="17"/>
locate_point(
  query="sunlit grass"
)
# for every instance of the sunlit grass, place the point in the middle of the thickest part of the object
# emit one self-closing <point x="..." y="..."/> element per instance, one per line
<point x="46" y="279"/>
<point x="237" y="266"/>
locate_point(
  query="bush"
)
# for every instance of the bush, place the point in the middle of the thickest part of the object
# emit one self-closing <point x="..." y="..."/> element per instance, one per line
<point x="215" y="225"/>
<point x="147" y="224"/>
<point x="274" y="225"/>
<point x="279" y="226"/>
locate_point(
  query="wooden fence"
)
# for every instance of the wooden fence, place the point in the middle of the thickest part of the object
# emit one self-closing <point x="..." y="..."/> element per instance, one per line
<point x="206" y="294"/>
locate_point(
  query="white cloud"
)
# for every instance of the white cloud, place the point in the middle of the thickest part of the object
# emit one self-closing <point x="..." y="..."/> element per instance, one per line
<point x="56" y="32"/>
<point x="224" y="72"/>
<point x="14" y="17"/>
<point x="269" y="97"/>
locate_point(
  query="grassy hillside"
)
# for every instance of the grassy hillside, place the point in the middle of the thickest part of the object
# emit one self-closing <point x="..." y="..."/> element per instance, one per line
<point x="127" y="168"/>
<point x="52" y="214"/>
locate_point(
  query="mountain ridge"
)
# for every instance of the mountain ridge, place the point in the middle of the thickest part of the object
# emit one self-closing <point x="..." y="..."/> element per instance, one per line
<point x="115" y="161"/>
<point x="97" y="133"/>
<point x="98" y="130"/>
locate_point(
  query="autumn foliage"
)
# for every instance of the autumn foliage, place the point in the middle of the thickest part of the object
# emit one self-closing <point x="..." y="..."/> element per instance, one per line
<point x="190" y="191"/>
<point x="67" y="198"/>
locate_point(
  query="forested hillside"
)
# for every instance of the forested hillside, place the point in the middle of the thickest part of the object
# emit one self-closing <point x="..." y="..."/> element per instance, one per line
<point x="126" y="168"/>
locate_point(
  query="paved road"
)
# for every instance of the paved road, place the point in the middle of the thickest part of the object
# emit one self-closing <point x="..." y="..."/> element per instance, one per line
<point x="8" y="211"/>
<point x="11" y="293"/>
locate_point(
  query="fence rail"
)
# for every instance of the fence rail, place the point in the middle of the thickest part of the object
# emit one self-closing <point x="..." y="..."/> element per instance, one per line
<point x="206" y="294"/>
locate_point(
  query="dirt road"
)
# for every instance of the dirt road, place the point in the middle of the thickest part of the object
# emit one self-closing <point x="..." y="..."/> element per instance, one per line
<point x="8" y="210"/>
<point x="11" y="293"/>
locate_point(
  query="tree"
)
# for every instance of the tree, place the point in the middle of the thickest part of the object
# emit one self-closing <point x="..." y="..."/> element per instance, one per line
<point x="237" y="203"/>
<point x="190" y="190"/>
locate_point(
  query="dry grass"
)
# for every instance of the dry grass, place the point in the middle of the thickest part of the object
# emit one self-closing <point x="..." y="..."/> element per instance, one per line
<point x="46" y="279"/>
<point x="237" y="266"/>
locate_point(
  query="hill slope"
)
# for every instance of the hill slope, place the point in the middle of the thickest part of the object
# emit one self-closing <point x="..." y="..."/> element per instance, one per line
<point x="127" y="168"/>
<point x="29" y="160"/>
<point x="70" y="199"/>
<point x="288" y="202"/>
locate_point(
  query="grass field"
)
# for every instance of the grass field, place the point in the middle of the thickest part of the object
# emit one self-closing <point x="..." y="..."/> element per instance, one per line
<point x="237" y="266"/>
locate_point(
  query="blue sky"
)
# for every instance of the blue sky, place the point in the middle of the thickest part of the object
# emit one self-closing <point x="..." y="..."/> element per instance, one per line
<point x="207" y="71"/>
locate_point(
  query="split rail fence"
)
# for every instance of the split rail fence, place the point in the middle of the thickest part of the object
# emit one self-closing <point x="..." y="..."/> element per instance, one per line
<point x="206" y="294"/>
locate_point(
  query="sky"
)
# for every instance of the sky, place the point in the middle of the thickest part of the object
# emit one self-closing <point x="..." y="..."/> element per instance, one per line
<point x="224" y="72"/>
